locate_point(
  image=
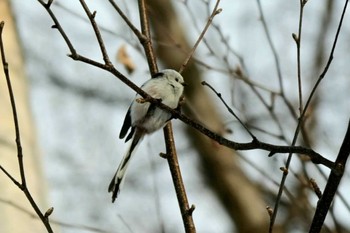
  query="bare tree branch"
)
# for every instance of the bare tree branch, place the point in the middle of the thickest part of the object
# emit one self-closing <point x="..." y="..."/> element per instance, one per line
<point x="334" y="179"/>
<point x="229" y="109"/>
<point x="276" y="59"/>
<point x="23" y="184"/>
<point x="298" y="42"/>
<point x="301" y="118"/>
<point x="297" y="39"/>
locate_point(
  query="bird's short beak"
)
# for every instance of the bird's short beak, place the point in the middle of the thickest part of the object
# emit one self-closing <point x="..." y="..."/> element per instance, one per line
<point x="184" y="84"/>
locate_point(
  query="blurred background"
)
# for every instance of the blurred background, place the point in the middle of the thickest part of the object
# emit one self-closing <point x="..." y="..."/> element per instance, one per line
<point x="71" y="114"/>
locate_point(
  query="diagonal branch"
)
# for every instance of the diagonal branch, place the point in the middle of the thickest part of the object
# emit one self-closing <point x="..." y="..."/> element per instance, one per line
<point x="58" y="26"/>
<point x="215" y="12"/>
<point x="332" y="185"/>
<point x="229" y="109"/>
<point x="126" y="20"/>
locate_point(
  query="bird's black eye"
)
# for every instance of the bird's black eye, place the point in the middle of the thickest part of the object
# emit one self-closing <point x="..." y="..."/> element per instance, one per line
<point x="176" y="79"/>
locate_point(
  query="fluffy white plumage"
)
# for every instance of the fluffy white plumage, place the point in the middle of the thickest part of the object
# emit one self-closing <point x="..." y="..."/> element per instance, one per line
<point x="144" y="118"/>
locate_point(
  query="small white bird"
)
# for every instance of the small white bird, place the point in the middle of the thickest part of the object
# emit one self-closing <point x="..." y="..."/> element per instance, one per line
<point x="145" y="118"/>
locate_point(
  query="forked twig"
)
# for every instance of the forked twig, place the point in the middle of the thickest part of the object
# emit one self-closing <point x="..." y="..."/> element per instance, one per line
<point x="91" y="17"/>
<point x="23" y="184"/>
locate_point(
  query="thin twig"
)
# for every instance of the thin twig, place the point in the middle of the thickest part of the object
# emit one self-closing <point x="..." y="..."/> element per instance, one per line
<point x="23" y="184"/>
<point x="297" y="40"/>
<point x="229" y="109"/>
<point x="91" y="17"/>
<point x="18" y="184"/>
<point x="296" y="133"/>
<point x="213" y="14"/>
<point x="58" y="26"/>
<point x="272" y="47"/>
<point x="127" y="21"/>
<point x="276" y="59"/>
<point x="13" y="106"/>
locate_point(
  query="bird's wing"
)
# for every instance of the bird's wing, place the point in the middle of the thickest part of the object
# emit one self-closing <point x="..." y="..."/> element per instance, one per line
<point x="126" y="126"/>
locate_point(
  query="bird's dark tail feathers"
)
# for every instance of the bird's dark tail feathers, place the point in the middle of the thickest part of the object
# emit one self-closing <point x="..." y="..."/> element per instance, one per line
<point x="118" y="178"/>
